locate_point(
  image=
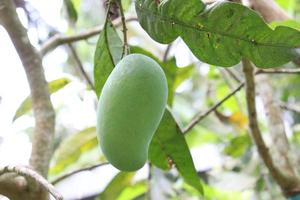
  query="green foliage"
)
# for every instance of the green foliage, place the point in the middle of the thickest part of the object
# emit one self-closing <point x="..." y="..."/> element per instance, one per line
<point x="289" y="23"/>
<point x="287" y="4"/>
<point x="71" y="11"/>
<point x="71" y="148"/>
<point x="133" y="191"/>
<point x="120" y="182"/>
<point x="126" y="4"/>
<point x="212" y="193"/>
<point x="54" y="86"/>
<point x="169" y="147"/>
<point x="108" y="53"/>
<point x="238" y="145"/>
<point x="219" y="34"/>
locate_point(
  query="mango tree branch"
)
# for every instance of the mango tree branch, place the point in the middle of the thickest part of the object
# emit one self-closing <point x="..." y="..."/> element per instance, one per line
<point x="80" y="66"/>
<point x="63" y="177"/>
<point x="201" y="115"/>
<point x="290" y="185"/>
<point x="30" y="174"/>
<point x="123" y="20"/>
<point x="277" y="71"/>
<point x="290" y="107"/>
<point x="42" y="107"/>
<point x="59" y="39"/>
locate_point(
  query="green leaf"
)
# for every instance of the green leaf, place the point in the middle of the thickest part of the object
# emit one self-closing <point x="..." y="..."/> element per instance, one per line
<point x="54" y="86"/>
<point x="182" y="74"/>
<point x="108" y="53"/>
<point x="221" y="33"/>
<point x="133" y="191"/>
<point x="71" y="11"/>
<point x="238" y="146"/>
<point x="168" y="147"/>
<point x="70" y="150"/>
<point x="121" y="181"/>
<point x="126" y="4"/>
<point x="287" y="4"/>
<point x="289" y="23"/>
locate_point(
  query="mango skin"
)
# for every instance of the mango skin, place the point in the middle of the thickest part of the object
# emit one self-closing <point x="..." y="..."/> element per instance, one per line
<point x="130" y="108"/>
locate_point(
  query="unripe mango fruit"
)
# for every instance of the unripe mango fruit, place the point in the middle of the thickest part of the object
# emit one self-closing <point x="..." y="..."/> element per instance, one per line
<point x="131" y="105"/>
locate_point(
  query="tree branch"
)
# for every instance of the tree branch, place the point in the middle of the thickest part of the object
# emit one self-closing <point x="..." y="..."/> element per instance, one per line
<point x="277" y="71"/>
<point x="80" y="66"/>
<point x="30" y="174"/>
<point x="77" y="171"/>
<point x="289" y="184"/>
<point x="167" y="51"/>
<point x="58" y="40"/>
<point x="293" y="108"/>
<point x="123" y="20"/>
<point x="269" y="10"/>
<point x="43" y="111"/>
<point x="42" y="107"/>
<point x="201" y="116"/>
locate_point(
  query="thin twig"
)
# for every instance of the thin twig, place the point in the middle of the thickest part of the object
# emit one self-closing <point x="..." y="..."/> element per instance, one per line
<point x="278" y="71"/>
<point x="148" y="193"/>
<point x="77" y="171"/>
<point x="80" y="66"/>
<point x="59" y="39"/>
<point x="201" y="116"/>
<point x="29" y="173"/>
<point x="123" y="20"/>
<point x="167" y="51"/>
<point x="225" y="75"/>
<point x="233" y="75"/>
<point x="293" y="108"/>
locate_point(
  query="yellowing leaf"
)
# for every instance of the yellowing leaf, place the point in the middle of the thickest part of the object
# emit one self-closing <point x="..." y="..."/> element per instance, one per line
<point x="239" y="119"/>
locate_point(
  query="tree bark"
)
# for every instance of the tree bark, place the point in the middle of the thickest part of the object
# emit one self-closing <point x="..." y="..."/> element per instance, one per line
<point x="43" y="111"/>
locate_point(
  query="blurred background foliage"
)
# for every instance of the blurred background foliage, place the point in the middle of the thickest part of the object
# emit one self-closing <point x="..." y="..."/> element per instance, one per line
<point x="222" y="151"/>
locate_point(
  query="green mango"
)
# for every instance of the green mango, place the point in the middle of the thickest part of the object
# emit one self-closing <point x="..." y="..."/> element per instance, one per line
<point x="130" y="108"/>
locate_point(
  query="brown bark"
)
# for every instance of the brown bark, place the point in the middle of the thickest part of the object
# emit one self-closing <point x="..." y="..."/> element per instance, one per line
<point x="281" y="152"/>
<point x="283" y="172"/>
<point x="42" y="107"/>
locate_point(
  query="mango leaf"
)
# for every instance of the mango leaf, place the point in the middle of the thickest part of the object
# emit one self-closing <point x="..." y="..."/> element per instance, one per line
<point x="70" y="150"/>
<point x="108" y="53"/>
<point x="286" y="4"/>
<point x="238" y="146"/>
<point x="215" y="193"/>
<point x="183" y="74"/>
<point x="175" y="75"/>
<point x="71" y="11"/>
<point x="126" y="4"/>
<point x="134" y="191"/>
<point x="168" y="147"/>
<point x="121" y="181"/>
<point x="219" y="34"/>
<point x="54" y="86"/>
<point x="289" y="23"/>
